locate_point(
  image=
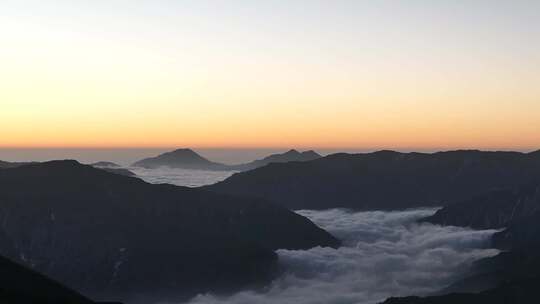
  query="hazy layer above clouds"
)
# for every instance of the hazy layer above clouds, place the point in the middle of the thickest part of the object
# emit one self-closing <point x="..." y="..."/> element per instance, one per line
<point x="385" y="254"/>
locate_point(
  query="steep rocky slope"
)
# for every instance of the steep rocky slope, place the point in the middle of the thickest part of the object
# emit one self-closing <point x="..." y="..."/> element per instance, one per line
<point x="106" y="234"/>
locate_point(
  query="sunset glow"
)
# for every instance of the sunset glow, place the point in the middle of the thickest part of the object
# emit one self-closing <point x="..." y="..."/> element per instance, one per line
<point x="275" y="74"/>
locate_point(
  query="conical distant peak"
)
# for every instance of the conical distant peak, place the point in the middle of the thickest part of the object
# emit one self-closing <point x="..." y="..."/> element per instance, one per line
<point x="183" y="153"/>
<point x="184" y="150"/>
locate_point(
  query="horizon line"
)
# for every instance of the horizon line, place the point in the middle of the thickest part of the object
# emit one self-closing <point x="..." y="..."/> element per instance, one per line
<point x="195" y="147"/>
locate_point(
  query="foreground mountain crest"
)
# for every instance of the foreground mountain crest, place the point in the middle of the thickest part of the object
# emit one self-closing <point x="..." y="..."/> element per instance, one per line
<point x="104" y="233"/>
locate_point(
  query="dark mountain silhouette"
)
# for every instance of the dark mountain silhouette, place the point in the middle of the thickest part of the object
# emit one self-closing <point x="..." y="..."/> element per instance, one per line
<point x="5" y="164"/>
<point x="480" y="189"/>
<point x="180" y="158"/>
<point x="105" y="164"/>
<point x="20" y="285"/>
<point x="535" y="153"/>
<point x="518" y="292"/>
<point x="494" y="209"/>
<point x="509" y="277"/>
<point x="518" y="211"/>
<point x="289" y="156"/>
<point x="384" y="179"/>
<point x="522" y="234"/>
<point x="516" y="270"/>
<point x="188" y="159"/>
<point x="108" y="235"/>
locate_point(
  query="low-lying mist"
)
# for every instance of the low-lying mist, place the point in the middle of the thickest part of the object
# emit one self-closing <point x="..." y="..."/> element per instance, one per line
<point x="384" y="254"/>
<point x="180" y="177"/>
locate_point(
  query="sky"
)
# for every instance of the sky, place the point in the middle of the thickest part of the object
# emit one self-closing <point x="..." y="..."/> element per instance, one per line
<point x="266" y="74"/>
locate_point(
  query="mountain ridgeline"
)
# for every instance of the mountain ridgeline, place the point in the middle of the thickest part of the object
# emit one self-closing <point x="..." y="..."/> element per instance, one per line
<point x="189" y="159"/>
<point x="384" y="179"/>
<point x="109" y="235"/>
<point x="106" y="166"/>
<point x="289" y="156"/>
<point x="5" y="164"/>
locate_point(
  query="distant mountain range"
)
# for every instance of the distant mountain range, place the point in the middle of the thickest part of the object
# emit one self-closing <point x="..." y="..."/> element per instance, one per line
<point x="384" y="179"/>
<point x="107" y="234"/>
<point x="189" y="159"/>
<point x="289" y="156"/>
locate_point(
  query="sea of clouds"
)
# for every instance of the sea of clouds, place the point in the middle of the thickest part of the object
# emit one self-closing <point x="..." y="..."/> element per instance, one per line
<point x="384" y="254"/>
<point x="180" y="177"/>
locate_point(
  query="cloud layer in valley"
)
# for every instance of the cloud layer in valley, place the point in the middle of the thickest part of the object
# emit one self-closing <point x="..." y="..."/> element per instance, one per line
<point x="384" y="254"/>
<point x="180" y="177"/>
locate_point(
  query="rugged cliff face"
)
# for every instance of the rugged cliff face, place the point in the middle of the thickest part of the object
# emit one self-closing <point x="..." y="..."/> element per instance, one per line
<point x="108" y="234"/>
<point x="517" y="268"/>
<point x="517" y="212"/>
<point x="384" y="180"/>
<point x="494" y="209"/>
<point x="522" y="234"/>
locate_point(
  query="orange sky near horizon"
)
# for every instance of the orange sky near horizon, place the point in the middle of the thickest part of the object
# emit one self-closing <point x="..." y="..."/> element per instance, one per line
<point x="347" y="74"/>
